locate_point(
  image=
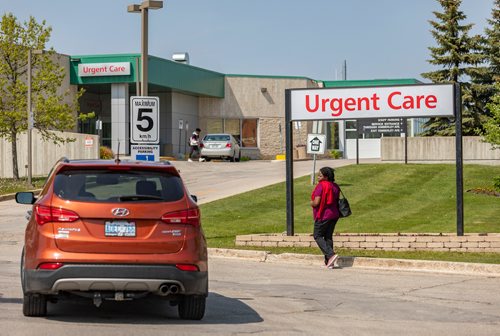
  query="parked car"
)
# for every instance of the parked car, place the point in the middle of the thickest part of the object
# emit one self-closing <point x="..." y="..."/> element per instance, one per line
<point x="220" y="146"/>
<point x="107" y="230"/>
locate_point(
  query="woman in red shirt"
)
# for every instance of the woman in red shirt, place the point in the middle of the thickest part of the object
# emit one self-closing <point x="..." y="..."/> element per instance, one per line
<point x="324" y="202"/>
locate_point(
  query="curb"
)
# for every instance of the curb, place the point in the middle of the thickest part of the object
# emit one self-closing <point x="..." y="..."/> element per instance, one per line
<point x="363" y="262"/>
<point x="8" y="197"/>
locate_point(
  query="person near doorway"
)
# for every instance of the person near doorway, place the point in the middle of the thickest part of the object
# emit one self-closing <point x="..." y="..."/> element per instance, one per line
<point x="194" y="143"/>
<point x="324" y="203"/>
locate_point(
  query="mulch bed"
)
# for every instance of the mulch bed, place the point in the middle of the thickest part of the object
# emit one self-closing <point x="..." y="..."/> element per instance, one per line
<point x="484" y="191"/>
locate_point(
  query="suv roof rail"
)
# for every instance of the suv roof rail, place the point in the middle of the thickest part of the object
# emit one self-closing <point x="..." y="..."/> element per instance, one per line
<point x="63" y="159"/>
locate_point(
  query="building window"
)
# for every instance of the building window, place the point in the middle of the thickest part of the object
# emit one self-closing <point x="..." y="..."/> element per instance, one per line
<point x="351" y="131"/>
<point x="249" y="132"/>
<point x="244" y="130"/>
<point x="214" y="126"/>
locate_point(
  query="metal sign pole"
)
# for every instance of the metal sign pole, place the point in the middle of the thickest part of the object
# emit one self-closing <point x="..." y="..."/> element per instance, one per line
<point x="459" y="159"/>
<point x="314" y="169"/>
<point x="289" y="163"/>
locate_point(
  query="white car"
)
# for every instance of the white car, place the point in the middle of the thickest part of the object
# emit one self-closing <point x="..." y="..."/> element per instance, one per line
<point x="220" y="146"/>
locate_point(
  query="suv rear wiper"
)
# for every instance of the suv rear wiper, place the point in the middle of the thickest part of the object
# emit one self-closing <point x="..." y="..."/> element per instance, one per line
<point x="139" y="198"/>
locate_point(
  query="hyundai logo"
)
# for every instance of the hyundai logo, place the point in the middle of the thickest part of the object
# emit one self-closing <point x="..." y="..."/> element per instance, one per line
<point x="122" y="212"/>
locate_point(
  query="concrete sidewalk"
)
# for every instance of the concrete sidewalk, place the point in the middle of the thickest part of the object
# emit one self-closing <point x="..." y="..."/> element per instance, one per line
<point x="492" y="270"/>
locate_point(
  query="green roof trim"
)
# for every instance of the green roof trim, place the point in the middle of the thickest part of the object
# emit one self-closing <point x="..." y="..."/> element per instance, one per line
<point x="162" y="73"/>
<point x="370" y="82"/>
<point x="185" y="78"/>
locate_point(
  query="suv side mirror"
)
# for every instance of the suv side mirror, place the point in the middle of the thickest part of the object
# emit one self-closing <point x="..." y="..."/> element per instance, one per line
<point x="25" y="197"/>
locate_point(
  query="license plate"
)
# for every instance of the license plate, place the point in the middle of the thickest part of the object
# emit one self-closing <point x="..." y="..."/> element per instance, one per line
<point x="119" y="229"/>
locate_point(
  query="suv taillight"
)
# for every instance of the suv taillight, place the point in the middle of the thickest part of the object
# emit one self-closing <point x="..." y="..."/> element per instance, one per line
<point x="45" y="214"/>
<point x="189" y="216"/>
<point x="228" y="145"/>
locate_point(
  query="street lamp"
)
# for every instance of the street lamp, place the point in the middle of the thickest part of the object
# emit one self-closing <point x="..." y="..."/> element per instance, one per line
<point x="143" y="9"/>
<point x="30" y="115"/>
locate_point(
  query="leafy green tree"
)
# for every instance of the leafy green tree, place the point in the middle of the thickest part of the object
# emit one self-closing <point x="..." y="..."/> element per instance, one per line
<point x="492" y="125"/>
<point x="457" y="54"/>
<point x="52" y="109"/>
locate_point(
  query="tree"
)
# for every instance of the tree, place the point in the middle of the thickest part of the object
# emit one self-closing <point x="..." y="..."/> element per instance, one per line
<point x="483" y="78"/>
<point x="457" y="54"/>
<point x="51" y="108"/>
<point x="492" y="125"/>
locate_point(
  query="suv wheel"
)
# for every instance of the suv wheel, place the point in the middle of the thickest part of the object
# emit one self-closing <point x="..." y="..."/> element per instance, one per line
<point x="34" y="305"/>
<point x="192" y="307"/>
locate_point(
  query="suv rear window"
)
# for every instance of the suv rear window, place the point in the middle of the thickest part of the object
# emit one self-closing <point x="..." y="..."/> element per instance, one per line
<point x="117" y="186"/>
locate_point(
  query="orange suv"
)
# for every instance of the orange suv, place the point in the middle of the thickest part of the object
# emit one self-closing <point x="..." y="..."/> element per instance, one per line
<point x="114" y="230"/>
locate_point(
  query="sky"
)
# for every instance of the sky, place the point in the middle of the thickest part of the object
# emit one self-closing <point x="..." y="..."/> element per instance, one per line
<point x="378" y="39"/>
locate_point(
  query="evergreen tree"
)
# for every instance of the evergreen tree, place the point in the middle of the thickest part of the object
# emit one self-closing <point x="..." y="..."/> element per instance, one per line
<point x="52" y="109"/>
<point x="456" y="53"/>
<point x="483" y="78"/>
<point x="493" y="42"/>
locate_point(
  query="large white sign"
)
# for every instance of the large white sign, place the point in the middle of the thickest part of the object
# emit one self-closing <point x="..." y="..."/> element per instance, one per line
<point x="103" y="69"/>
<point x="429" y="100"/>
<point x="144" y="120"/>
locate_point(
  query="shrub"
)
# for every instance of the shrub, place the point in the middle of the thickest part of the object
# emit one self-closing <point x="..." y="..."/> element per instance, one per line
<point x="336" y="154"/>
<point x="245" y="158"/>
<point x="106" y="153"/>
<point x="496" y="183"/>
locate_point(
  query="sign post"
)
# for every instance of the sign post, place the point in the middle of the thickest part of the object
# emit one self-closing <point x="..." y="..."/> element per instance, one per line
<point x="316" y="144"/>
<point x="145" y="130"/>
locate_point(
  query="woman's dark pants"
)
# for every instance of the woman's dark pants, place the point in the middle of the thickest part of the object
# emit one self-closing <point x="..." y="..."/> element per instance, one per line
<point x="323" y="235"/>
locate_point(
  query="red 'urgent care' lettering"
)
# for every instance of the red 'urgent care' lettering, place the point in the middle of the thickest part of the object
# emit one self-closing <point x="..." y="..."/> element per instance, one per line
<point x="410" y="102"/>
<point x="338" y="105"/>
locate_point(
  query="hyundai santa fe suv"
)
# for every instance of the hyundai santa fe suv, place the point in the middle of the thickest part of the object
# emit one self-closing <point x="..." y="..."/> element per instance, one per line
<point x="114" y="230"/>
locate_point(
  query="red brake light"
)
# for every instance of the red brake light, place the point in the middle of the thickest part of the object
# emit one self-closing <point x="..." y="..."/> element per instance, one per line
<point x="187" y="267"/>
<point x="202" y="145"/>
<point x="228" y="145"/>
<point x="189" y="216"/>
<point x="45" y="214"/>
<point x="50" y="266"/>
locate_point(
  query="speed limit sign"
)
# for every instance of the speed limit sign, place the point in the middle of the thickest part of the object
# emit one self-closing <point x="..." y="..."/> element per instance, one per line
<point x="145" y="120"/>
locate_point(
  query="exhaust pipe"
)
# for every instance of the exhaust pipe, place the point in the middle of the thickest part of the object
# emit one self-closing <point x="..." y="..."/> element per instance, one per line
<point x="167" y="289"/>
<point x="174" y="289"/>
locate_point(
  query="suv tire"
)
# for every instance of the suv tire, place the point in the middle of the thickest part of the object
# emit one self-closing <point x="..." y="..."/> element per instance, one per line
<point x="34" y="305"/>
<point x="192" y="307"/>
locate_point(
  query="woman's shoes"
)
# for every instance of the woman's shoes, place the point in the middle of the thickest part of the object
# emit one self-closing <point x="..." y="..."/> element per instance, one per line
<point x="332" y="260"/>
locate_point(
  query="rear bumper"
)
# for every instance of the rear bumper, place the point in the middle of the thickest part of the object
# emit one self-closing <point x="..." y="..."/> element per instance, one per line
<point x="91" y="277"/>
<point x="225" y="152"/>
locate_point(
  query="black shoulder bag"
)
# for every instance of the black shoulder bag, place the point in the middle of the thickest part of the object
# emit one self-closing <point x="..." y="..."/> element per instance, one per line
<point x="344" y="208"/>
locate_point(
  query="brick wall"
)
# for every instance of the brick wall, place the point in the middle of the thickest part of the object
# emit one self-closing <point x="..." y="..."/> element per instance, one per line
<point x="439" y="242"/>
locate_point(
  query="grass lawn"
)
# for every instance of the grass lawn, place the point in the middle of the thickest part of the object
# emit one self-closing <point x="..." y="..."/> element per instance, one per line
<point x="383" y="198"/>
<point x="10" y="186"/>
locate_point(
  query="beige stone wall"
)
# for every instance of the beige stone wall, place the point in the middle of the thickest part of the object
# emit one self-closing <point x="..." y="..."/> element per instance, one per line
<point x="442" y="242"/>
<point x="436" y="149"/>
<point x="262" y="98"/>
<point x="45" y="153"/>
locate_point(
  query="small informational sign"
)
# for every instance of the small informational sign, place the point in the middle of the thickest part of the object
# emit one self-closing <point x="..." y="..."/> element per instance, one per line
<point x="181" y="124"/>
<point x="316" y="143"/>
<point x="145" y="152"/>
<point x="393" y="126"/>
<point x="89" y="141"/>
<point x="145" y="120"/>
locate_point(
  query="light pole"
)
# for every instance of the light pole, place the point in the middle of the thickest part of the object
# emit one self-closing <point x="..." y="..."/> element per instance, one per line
<point x="143" y="8"/>
<point x="30" y="116"/>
